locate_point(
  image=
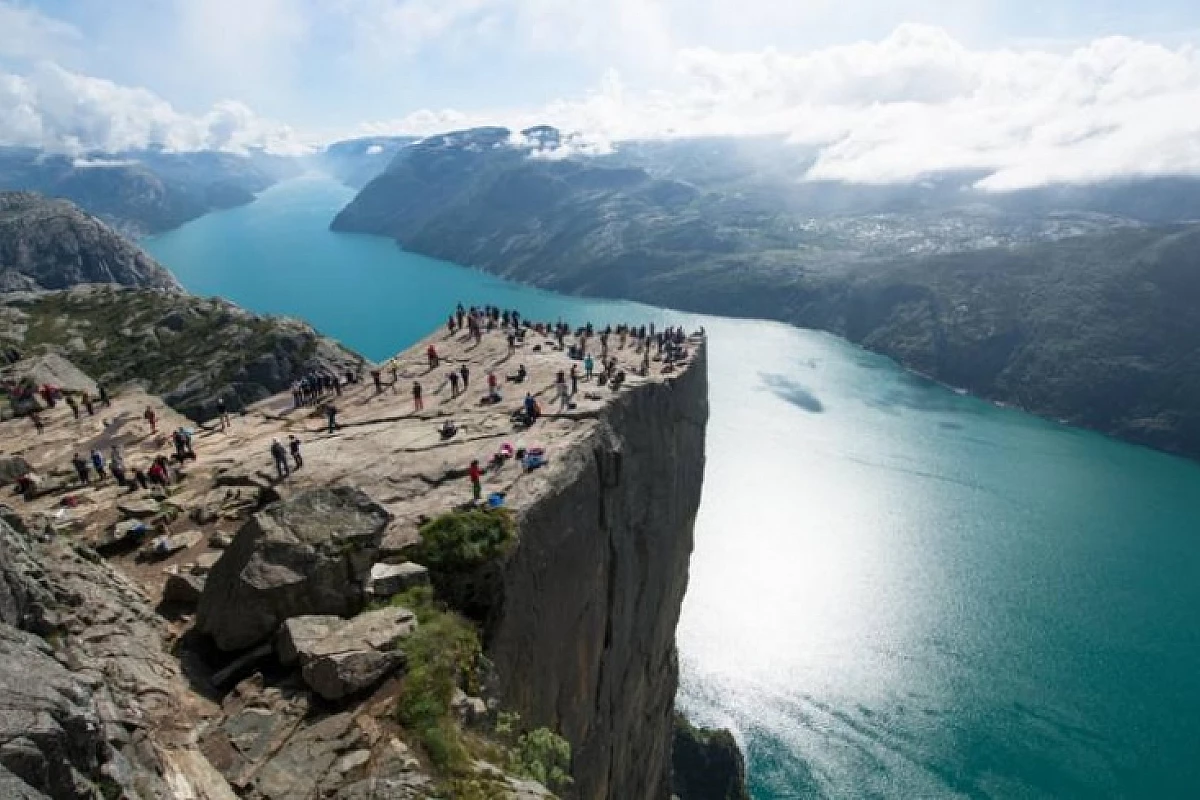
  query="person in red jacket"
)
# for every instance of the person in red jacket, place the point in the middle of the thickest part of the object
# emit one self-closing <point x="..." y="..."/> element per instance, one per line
<point x="476" y="475"/>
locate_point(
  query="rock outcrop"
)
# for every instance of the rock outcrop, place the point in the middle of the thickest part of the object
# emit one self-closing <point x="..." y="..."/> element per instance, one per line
<point x="706" y="764"/>
<point x="190" y="350"/>
<point x="51" y="244"/>
<point x="343" y="657"/>
<point x="304" y="556"/>
<point x="584" y="634"/>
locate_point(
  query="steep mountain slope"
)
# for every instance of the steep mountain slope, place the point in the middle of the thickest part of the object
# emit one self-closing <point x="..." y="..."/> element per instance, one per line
<point x="51" y="244"/>
<point x="145" y="191"/>
<point x="1052" y="299"/>
<point x="355" y="162"/>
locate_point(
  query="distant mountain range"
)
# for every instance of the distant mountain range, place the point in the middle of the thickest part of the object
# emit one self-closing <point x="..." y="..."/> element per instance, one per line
<point x="145" y="191"/>
<point x="1076" y="302"/>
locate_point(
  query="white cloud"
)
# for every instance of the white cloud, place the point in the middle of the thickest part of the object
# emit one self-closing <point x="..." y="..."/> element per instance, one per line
<point x="61" y="111"/>
<point x="913" y="103"/>
<point x="26" y="33"/>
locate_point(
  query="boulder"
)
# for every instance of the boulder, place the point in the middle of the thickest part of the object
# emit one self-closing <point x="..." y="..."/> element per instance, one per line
<point x="469" y="709"/>
<point x="220" y="541"/>
<point x="389" y="579"/>
<point x="342" y="657"/>
<point x="183" y="588"/>
<point x="205" y="562"/>
<point x="11" y="468"/>
<point x="144" y="508"/>
<point x="310" y="554"/>
<point x="300" y="634"/>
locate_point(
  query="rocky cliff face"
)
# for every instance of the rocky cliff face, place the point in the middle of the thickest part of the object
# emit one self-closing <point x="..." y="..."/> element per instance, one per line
<point x="584" y="640"/>
<point x="51" y="244"/>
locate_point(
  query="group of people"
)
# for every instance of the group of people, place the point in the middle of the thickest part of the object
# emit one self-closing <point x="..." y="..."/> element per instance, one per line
<point x="316" y="386"/>
<point x="280" y="455"/>
<point x="157" y="474"/>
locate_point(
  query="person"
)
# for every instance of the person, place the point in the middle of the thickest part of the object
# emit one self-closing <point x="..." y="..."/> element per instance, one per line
<point x="453" y="384"/>
<point x="280" y="456"/>
<point x="116" y="463"/>
<point x="560" y="388"/>
<point x="222" y="413"/>
<point x="395" y="376"/>
<point x="98" y="463"/>
<point x="448" y="429"/>
<point x="378" y="382"/>
<point x="476" y="485"/>
<point x="140" y="477"/>
<point x="522" y="373"/>
<point x="87" y="403"/>
<point x="331" y="417"/>
<point x="294" y="446"/>
<point x="104" y="398"/>
<point x="491" y="381"/>
<point x="512" y="343"/>
<point x="465" y="372"/>
<point x="74" y="406"/>
<point x="530" y="408"/>
<point x="574" y="379"/>
<point x="81" y="468"/>
<point x="433" y="357"/>
<point x="151" y="419"/>
<point x="588" y="366"/>
<point x="38" y="425"/>
<point x="418" y="403"/>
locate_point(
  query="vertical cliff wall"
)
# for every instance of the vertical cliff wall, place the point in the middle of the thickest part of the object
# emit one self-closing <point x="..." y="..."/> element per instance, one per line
<point x="584" y="639"/>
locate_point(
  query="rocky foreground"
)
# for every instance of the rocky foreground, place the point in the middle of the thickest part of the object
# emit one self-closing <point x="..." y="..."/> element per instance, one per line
<point x="240" y="633"/>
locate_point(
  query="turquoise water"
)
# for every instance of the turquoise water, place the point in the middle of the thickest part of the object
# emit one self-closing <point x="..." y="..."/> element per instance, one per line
<point x="896" y="591"/>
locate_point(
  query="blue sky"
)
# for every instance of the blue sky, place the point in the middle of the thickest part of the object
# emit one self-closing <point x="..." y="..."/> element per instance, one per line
<point x="80" y="74"/>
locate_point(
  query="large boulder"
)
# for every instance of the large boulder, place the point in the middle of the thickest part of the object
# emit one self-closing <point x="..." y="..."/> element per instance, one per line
<point x="310" y="554"/>
<point x="342" y="657"/>
<point x="391" y="579"/>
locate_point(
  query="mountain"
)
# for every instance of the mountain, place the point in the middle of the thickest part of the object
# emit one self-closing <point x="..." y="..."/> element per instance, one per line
<point x="145" y="191"/>
<point x="51" y="244"/>
<point x="355" y="162"/>
<point x="1078" y="303"/>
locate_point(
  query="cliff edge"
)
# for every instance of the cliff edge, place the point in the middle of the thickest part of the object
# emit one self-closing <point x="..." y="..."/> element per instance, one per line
<point x="348" y="683"/>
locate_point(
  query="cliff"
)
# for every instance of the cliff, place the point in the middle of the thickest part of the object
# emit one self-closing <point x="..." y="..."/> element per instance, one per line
<point x="51" y="244"/>
<point x="591" y="597"/>
<point x="391" y="700"/>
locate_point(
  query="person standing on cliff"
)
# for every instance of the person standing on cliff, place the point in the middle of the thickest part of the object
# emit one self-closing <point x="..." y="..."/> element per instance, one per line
<point x="280" y="456"/>
<point x="104" y="398"/>
<point x="74" y="406"/>
<point x="560" y="390"/>
<point x="465" y="372"/>
<point x="418" y="403"/>
<point x="476" y="480"/>
<point x="378" y="381"/>
<point x="87" y="403"/>
<point x="294" y="447"/>
<point x="432" y="355"/>
<point x="574" y="379"/>
<point x="588" y="367"/>
<point x="38" y="425"/>
<point x="151" y="419"/>
<point x="222" y="413"/>
<point x="331" y="417"/>
<point x="453" y="384"/>
<point x="81" y="468"/>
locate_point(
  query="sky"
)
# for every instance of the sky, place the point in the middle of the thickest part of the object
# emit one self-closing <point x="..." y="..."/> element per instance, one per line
<point x="884" y="90"/>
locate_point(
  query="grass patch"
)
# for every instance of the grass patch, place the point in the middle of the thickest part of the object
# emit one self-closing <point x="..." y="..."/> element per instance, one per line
<point x="443" y="653"/>
<point x="463" y="551"/>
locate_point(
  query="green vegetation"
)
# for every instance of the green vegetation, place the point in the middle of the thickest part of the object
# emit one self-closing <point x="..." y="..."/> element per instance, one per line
<point x="463" y="550"/>
<point x="540" y="754"/>
<point x="461" y="541"/>
<point x="442" y="653"/>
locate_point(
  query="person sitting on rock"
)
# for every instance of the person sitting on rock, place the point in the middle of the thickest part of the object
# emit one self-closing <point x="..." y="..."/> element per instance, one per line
<point x="448" y="429"/>
<point x="280" y="457"/>
<point x="294" y="447"/>
<point x="81" y="468"/>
